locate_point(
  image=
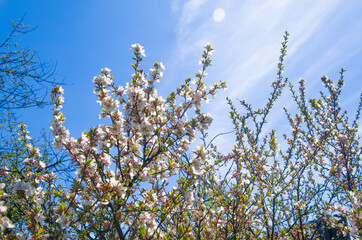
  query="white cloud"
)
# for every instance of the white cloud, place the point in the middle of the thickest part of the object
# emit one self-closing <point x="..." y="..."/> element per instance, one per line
<point x="249" y="40"/>
<point x="247" y="43"/>
<point x="190" y="10"/>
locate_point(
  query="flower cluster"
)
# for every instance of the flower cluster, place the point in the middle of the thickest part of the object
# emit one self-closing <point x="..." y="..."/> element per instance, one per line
<point x="5" y="222"/>
<point x="144" y="143"/>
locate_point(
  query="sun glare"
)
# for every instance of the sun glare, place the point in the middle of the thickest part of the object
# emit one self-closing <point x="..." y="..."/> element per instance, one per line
<point x="219" y="14"/>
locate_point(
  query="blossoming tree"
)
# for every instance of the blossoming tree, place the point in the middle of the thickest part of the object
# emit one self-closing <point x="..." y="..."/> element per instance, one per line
<point x="139" y="178"/>
<point x="288" y="193"/>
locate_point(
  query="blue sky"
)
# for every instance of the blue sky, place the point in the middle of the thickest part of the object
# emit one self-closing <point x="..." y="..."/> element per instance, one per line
<point x="85" y="36"/>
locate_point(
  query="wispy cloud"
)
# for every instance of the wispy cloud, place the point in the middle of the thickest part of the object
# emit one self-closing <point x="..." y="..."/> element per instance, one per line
<point x="247" y="43"/>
